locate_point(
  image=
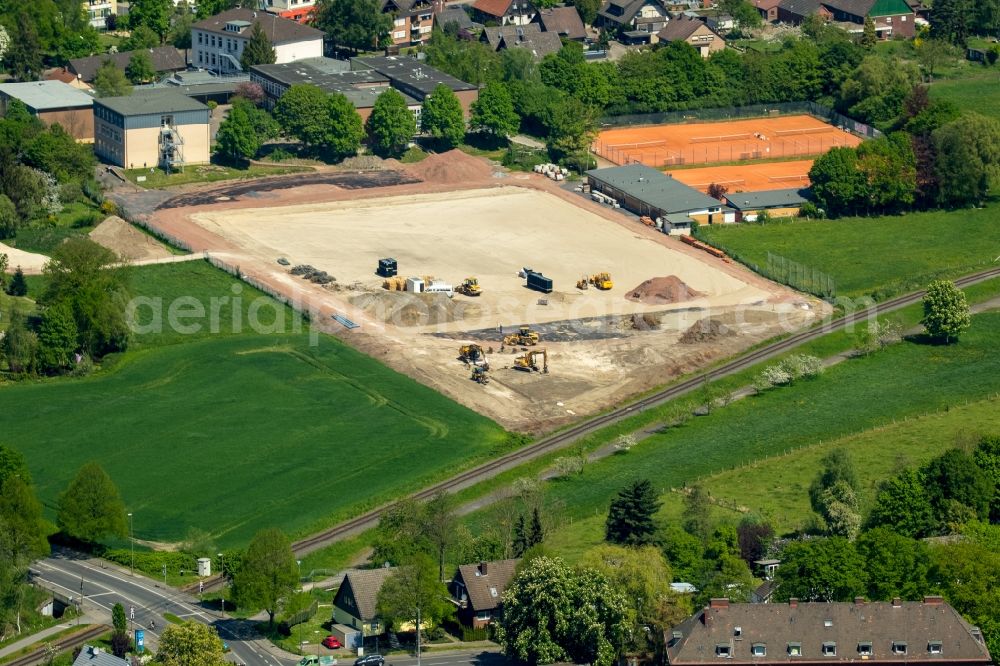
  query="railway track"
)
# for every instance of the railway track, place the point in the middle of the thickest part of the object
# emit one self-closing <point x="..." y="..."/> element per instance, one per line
<point x="59" y="645"/>
<point x="566" y="437"/>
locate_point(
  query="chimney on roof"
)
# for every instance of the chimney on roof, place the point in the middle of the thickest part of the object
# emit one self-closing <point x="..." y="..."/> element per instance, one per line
<point x="483" y="568"/>
<point x="718" y="602"/>
<point x="933" y="600"/>
<point x="793" y="602"/>
<point x="706" y="617"/>
<point x="896" y="602"/>
<point x="859" y="601"/>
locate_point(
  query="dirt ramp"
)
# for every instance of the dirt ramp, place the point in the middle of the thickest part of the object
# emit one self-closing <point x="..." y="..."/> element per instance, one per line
<point x="663" y="291"/>
<point x="128" y="242"/>
<point x="451" y="168"/>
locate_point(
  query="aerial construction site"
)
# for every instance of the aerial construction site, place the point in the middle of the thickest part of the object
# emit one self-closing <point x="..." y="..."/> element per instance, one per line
<point x="467" y="256"/>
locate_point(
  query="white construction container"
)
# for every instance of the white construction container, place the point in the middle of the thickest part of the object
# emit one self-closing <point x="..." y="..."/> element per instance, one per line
<point x="414" y="285"/>
<point x="436" y="287"/>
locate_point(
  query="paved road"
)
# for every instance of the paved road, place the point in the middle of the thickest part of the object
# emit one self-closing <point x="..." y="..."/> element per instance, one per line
<point x="104" y="587"/>
<point x="449" y="658"/>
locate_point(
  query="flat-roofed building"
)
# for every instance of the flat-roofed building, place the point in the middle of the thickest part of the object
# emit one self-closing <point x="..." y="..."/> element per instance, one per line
<point x="153" y="128"/>
<point x="416" y="78"/>
<point x="54" y="102"/>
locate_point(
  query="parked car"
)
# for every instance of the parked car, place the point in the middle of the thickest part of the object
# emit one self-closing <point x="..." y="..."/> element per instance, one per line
<point x="313" y="660"/>
<point x="370" y="660"/>
<point x="332" y="642"/>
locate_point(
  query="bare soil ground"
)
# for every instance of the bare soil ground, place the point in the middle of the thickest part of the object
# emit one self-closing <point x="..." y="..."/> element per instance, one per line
<point x="462" y="220"/>
<point x="127" y="241"/>
<point x="29" y="262"/>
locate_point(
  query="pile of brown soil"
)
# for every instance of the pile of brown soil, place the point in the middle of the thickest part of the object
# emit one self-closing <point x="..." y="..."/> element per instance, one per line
<point x="126" y="241"/>
<point x="706" y="330"/>
<point x="406" y="309"/>
<point x="662" y="291"/>
<point x="451" y="168"/>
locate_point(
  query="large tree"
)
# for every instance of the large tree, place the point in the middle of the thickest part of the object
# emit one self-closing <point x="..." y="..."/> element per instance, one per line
<point x="23" y="56"/>
<point x="987" y="458"/>
<point x="91" y="280"/>
<point x="237" y="138"/>
<point x="22" y="529"/>
<point x="268" y="573"/>
<point x="391" y="125"/>
<point x="493" y="113"/>
<point x="57" y="152"/>
<point x="190" y="644"/>
<point x="13" y="464"/>
<point x="258" y="50"/>
<point x="153" y="14"/>
<point x="359" y="25"/>
<point x="57" y="339"/>
<point x="950" y="20"/>
<point x="302" y="113"/>
<point x="90" y="508"/>
<point x="572" y="126"/>
<point x="896" y="566"/>
<point x="19" y="344"/>
<point x="631" y="516"/>
<point x="140" y="68"/>
<point x="441" y="116"/>
<point x="968" y="159"/>
<point x="438" y="527"/>
<point x="946" y="312"/>
<point x="825" y="569"/>
<point x="902" y="505"/>
<point x="954" y="477"/>
<point x="554" y="613"/>
<point x="111" y="81"/>
<point x="838" y="186"/>
<point x="414" y="588"/>
<point x="346" y="130"/>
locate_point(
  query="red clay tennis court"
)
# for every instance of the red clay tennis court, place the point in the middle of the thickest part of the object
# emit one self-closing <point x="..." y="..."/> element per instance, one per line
<point x="748" y="177"/>
<point x="727" y="141"/>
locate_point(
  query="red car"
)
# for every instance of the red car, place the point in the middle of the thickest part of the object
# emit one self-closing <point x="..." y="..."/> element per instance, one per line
<point x="332" y="642"/>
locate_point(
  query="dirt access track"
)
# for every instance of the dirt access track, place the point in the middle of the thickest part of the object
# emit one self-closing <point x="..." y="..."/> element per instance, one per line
<point x="464" y="219"/>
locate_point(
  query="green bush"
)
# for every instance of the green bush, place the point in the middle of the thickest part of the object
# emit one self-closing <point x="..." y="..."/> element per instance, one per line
<point x="151" y="561"/>
<point x="299" y="608"/>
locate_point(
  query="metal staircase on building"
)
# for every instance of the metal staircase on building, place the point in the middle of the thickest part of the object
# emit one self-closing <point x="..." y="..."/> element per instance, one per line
<point x="171" y="147"/>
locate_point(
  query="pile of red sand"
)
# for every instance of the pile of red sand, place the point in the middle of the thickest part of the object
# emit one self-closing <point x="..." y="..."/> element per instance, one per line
<point x="451" y="168"/>
<point x="662" y="291"/>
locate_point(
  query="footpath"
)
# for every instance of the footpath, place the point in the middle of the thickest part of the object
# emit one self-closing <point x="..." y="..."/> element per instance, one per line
<point x="40" y="636"/>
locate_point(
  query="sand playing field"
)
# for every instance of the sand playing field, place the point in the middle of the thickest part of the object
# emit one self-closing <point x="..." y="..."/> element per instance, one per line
<point x="486" y="233"/>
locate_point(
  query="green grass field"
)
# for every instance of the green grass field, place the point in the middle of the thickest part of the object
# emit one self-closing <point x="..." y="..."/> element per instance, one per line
<point x="905" y="381"/>
<point x="978" y="89"/>
<point x="880" y="256"/>
<point x="232" y="432"/>
<point x="209" y="173"/>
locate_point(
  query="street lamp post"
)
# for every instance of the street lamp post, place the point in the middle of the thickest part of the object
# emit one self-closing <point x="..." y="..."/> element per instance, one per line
<point x="131" y="539"/>
<point x="222" y="572"/>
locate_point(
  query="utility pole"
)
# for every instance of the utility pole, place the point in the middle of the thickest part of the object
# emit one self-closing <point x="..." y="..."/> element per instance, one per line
<point x="164" y="575"/>
<point x="131" y="539"/>
<point x="418" y="635"/>
<point x="80" y="608"/>
<point x="222" y="572"/>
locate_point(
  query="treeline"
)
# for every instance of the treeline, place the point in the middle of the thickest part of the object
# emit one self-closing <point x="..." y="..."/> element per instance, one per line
<point x="41" y="169"/>
<point x="81" y="318"/>
<point x="936" y="156"/>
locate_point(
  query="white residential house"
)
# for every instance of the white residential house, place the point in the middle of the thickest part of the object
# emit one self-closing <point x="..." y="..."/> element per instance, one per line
<point x="217" y="43"/>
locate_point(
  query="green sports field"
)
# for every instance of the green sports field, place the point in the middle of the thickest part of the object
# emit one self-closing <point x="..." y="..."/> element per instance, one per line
<point x="883" y="256"/>
<point x="232" y="432"/>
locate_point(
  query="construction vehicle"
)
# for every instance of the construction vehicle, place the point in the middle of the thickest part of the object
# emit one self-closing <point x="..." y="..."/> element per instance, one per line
<point x="528" y="363"/>
<point x="524" y="337"/>
<point x="480" y="375"/>
<point x="472" y="353"/>
<point x="583" y="283"/>
<point x="647" y="220"/>
<point x="602" y="281"/>
<point x="469" y="287"/>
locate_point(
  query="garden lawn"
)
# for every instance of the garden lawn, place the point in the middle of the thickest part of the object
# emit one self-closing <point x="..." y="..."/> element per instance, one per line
<point x="880" y="256"/>
<point x="977" y="91"/>
<point x="904" y="381"/>
<point x="236" y="431"/>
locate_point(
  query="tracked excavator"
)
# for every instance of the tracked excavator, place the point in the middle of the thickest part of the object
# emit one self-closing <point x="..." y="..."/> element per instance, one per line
<point x="528" y="362"/>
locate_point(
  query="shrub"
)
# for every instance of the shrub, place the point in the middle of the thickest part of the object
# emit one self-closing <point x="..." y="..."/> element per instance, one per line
<point x="624" y="443"/>
<point x="279" y="155"/>
<point x="775" y="375"/>
<point x="109" y="207"/>
<point x="800" y="366"/>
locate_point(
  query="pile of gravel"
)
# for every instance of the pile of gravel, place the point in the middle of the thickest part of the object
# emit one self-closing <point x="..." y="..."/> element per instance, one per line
<point x="314" y="275"/>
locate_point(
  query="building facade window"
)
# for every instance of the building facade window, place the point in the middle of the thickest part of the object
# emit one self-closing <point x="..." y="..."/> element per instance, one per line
<point x="758" y="650"/>
<point x="795" y="649"/>
<point x="865" y="649"/>
<point x="829" y="649"/>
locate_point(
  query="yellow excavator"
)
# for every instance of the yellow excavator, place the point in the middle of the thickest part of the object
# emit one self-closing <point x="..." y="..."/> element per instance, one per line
<point x="472" y="354"/>
<point x="528" y="363"/>
<point x="602" y="281"/>
<point x="470" y="287"/>
<point x="583" y="283"/>
<point x="480" y="375"/>
<point x="523" y="338"/>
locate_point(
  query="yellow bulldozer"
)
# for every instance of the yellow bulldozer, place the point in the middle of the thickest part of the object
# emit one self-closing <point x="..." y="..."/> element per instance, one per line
<point x="583" y="283"/>
<point x="472" y="354"/>
<point x="602" y="281"/>
<point x="470" y="287"/>
<point x="528" y="361"/>
<point x="523" y="338"/>
<point x="480" y="375"/>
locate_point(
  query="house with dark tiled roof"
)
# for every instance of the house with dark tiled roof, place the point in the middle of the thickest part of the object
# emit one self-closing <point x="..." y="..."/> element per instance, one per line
<point x="797" y="11"/>
<point x="562" y="21"/>
<point x="892" y="17"/>
<point x="164" y="59"/>
<point x="459" y="17"/>
<point x="695" y="32"/>
<point x="217" y="42"/>
<point x="811" y="633"/>
<point x="477" y="590"/>
<point x="355" y="604"/>
<point x="92" y="655"/>
<point x="529" y="37"/>
<point x="646" y="16"/>
<point x="503" y="12"/>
